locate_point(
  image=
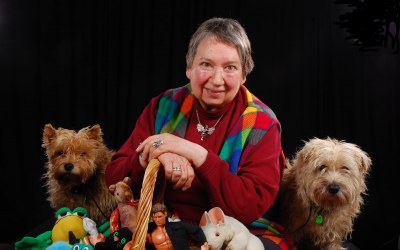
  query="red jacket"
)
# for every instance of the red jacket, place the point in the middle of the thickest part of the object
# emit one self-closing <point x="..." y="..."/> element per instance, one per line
<point x="245" y="196"/>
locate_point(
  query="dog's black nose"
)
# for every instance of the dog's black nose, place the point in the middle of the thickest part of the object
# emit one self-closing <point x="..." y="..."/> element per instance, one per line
<point x="68" y="167"/>
<point x="333" y="188"/>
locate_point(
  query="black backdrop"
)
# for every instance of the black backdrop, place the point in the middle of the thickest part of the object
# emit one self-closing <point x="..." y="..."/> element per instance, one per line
<point x="77" y="63"/>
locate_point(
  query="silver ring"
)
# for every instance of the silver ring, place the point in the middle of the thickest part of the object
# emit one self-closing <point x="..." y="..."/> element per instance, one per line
<point x="158" y="143"/>
<point x="175" y="168"/>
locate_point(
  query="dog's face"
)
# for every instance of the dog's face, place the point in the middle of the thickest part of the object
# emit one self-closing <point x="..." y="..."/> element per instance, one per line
<point x="331" y="173"/>
<point x="71" y="155"/>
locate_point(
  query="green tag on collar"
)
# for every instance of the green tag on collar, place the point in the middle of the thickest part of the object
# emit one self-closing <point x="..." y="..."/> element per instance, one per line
<point x="319" y="219"/>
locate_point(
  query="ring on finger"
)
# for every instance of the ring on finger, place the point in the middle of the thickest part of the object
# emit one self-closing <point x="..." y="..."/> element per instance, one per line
<point x="158" y="143"/>
<point x="176" y="168"/>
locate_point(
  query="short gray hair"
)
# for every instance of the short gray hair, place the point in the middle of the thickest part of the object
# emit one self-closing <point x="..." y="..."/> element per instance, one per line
<point x="225" y="30"/>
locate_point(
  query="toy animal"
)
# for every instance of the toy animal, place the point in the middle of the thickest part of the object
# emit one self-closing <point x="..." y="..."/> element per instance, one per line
<point x="69" y="225"/>
<point x="68" y="229"/>
<point x="75" y="170"/>
<point x="125" y="214"/>
<point x="225" y="231"/>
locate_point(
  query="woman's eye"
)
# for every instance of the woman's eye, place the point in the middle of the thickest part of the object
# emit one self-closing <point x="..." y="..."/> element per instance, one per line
<point x="230" y="68"/>
<point x="205" y="65"/>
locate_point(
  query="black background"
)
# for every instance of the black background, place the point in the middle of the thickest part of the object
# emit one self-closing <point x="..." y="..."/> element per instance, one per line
<point x="78" y="63"/>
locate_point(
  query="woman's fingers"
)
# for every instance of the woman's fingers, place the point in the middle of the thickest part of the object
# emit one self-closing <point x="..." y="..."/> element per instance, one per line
<point x="178" y="175"/>
<point x="177" y="170"/>
<point x="190" y="177"/>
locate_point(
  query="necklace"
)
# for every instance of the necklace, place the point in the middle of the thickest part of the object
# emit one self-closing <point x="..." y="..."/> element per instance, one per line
<point x="205" y="130"/>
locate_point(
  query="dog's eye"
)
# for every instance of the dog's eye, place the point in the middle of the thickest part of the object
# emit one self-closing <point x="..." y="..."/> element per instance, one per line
<point x="82" y="154"/>
<point x="322" y="167"/>
<point x="345" y="168"/>
<point x="59" y="153"/>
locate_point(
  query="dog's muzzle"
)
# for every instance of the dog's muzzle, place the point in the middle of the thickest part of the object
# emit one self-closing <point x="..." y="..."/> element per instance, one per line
<point x="68" y="167"/>
<point x="333" y="188"/>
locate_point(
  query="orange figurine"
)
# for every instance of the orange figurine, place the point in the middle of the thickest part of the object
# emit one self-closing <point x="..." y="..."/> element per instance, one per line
<point x="166" y="235"/>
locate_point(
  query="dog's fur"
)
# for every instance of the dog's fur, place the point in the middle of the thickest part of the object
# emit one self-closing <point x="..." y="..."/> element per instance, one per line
<point x="75" y="170"/>
<point x="326" y="177"/>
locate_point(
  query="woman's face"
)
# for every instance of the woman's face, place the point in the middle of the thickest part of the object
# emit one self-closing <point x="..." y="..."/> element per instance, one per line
<point x="216" y="74"/>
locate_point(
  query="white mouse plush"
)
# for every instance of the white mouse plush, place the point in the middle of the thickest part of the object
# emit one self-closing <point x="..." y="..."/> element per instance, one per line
<point x="225" y="232"/>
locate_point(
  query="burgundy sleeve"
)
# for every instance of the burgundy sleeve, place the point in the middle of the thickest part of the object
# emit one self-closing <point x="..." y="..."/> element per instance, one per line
<point x="125" y="161"/>
<point x="249" y="194"/>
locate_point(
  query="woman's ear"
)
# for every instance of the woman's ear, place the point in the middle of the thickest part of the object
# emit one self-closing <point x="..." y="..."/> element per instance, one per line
<point x="188" y="73"/>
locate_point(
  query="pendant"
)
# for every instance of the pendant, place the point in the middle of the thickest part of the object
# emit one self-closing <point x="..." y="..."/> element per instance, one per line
<point x="204" y="130"/>
<point x="319" y="219"/>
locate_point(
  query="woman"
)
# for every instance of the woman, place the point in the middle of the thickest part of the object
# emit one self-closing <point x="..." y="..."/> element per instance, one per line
<point x="218" y="144"/>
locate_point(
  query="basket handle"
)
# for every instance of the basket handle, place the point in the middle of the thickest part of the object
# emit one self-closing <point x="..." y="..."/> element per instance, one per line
<point x="145" y="204"/>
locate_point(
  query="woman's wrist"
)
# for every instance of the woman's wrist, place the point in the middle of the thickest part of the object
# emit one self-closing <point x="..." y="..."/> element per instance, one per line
<point x="199" y="155"/>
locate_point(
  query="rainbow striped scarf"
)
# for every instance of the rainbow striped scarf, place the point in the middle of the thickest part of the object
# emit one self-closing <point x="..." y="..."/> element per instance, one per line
<point x="173" y="117"/>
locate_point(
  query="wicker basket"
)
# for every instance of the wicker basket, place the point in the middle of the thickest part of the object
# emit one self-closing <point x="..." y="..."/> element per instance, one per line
<point x="146" y="202"/>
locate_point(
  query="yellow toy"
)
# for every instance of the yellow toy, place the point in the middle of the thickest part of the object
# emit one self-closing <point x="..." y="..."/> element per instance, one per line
<point x="69" y="225"/>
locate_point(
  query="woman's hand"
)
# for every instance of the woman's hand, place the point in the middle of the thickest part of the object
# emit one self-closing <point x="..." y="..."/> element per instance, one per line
<point x="175" y="154"/>
<point x="178" y="170"/>
<point x="156" y="145"/>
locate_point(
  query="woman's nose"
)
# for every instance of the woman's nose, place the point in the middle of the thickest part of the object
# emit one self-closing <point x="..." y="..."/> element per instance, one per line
<point x="218" y="77"/>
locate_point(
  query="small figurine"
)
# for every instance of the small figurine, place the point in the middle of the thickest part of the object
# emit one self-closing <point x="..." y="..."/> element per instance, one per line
<point x="167" y="235"/>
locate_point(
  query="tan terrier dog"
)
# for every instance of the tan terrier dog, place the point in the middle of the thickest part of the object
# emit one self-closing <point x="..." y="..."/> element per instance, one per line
<point x="75" y="170"/>
<point x="322" y="192"/>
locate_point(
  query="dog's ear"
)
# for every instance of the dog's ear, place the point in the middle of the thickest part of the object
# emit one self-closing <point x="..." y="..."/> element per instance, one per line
<point x="304" y="155"/>
<point x="94" y="132"/>
<point x="309" y="150"/>
<point x="49" y="134"/>
<point x="365" y="162"/>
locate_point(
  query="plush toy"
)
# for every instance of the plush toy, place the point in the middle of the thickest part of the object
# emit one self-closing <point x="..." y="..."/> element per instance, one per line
<point x="69" y="225"/>
<point x="80" y="246"/>
<point x="34" y="243"/>
<point x="59" y="245"/>
<point x="68" y="229"/>
<point x="116" y="240"/>
<point x="125" y="214"/>
<point x="222" y="230"/>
